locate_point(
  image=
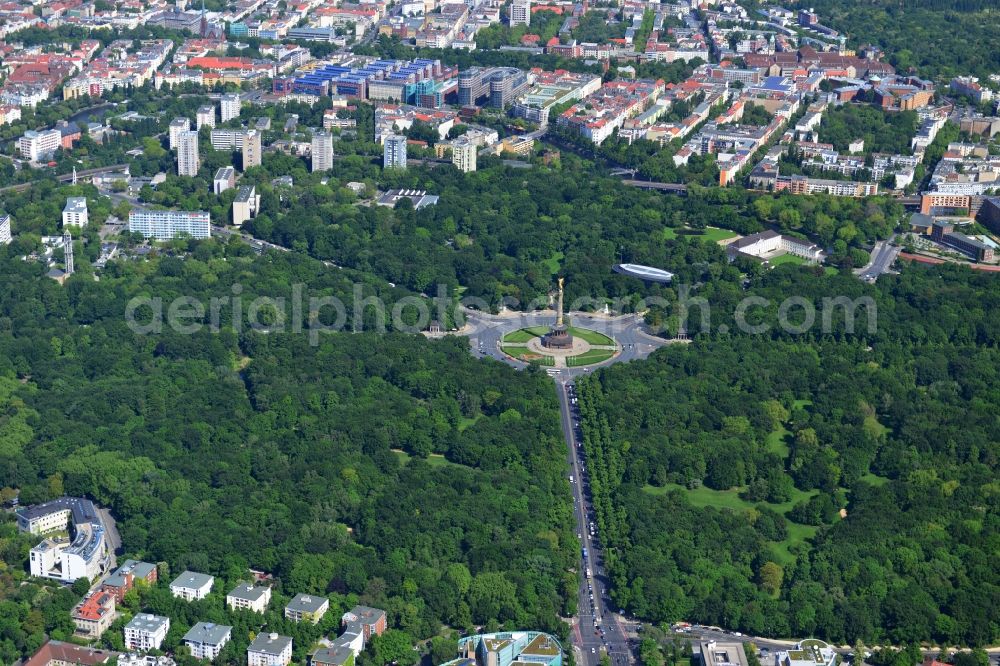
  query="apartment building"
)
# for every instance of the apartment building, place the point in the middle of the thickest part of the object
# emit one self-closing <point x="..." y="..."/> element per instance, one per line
<point x="229" y="107"/>
<point x="205" y="117"/>
<point x="270" y="650"/>
<point x="369" y="621"/>
<point x="205" y="640"/>
<point x="75" y="212"/>
<point x="37" y="146"/>
<point x="322" y="151"/>
<point x="5" y="235"/>
<point x="520" y="12"/>
<point x="94" y="614"/>
<point x="252" y="150"/>
<point x="146" y="632"/>
<point x="188" y="162"/>
<point x="190" y="585"/>
<point x="394" y="152"/>
<point x="58" y="653"/>
<point x="178" y="125"/>
<point x="463" y="156"/>
<point x="227" y="139"/>
<point x="225" y="178"/>
<point x="127" y="575"/>
<point x="307" y="608"/>
<point x="245" y="207"/>
<point x="247" y="597"/>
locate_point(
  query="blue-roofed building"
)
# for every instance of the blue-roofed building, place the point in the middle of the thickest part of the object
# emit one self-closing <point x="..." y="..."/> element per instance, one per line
<point x="780" y="84"/>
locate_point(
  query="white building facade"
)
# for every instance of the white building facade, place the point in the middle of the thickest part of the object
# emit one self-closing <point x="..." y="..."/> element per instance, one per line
<point x="146" y="632"/>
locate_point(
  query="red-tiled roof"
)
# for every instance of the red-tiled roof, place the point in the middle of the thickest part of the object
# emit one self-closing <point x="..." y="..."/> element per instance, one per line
<point x="69" y="653"/>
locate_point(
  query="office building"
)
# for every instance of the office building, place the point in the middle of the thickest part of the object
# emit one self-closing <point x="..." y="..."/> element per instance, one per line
<point x="520" y="12"/>
<point x="178" y="125"/>
<point x="322" y="151"/>
<point x="245" y="207"/>
<point x="187" y="154"/>
<point x="394" y="152"/>
<point x="245" y="596"/>
<point x="225" y="178"/>
<point x="229" y="107"/>
<point x="205" y="640"/>
<point x="75" y="212"/>
<point x="510" y="649"/>
<point x="716" y="653"/>
<point x="307" y="608"/>
<point x="499" y="85"/>
<point x="944" y="232"/>
<point x="164" y="225"/>
<point x="146" y="632"/>
<point x="811" y="652"/>
<point x="270" y="650"/>
<point x="36" y="146"/>
<point x="58" y="557"/>
<point x="205" y="117"/>
<point x="252" y="149"/>
<point x="463" y="156"/>
<point x="5" y="235"/>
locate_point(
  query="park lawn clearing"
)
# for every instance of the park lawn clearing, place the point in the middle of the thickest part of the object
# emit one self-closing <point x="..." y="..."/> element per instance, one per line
<point x="796" y="534"/>
<point x="554" y="263"/>
<point x="434" y="459"/>
<point x="715" y="234"/>
<point x="593" y="337"/>
<point x="590" y="357"/>
<point x="875" y="480"/>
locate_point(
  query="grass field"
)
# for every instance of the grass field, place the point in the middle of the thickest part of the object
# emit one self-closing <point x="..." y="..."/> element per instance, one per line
<point x="554" y="262"/>
<point x="787" y="259"/>
<point x="519" y="336"/>
<point x="875" y="479"/>
<point x="716" y="234"/>
<point x="528" y="356"/>
<point x="590" y="357"/>
<point x="713" y="234"/>
<point x="434" y="459"/>
<point x="593" y="337"/>
<point x="522" y="335"/>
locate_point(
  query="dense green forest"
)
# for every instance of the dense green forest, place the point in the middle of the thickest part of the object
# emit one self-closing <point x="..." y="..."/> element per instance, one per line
<point x="883" y="132"/>
<point x="385" y="468"/>
<point x="939" y="38"/>
<point x="827" y="483"/>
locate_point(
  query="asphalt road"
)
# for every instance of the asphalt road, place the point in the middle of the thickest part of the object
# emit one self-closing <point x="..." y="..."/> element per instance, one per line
<point x="598" y="628"/>
<point x="883" y="255"/>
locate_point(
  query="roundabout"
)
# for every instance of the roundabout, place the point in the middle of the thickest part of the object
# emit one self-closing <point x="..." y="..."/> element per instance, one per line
<point x="585" y="347"/>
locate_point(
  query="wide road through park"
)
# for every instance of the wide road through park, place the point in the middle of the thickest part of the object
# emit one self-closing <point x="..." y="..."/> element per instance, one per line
<point x="598" y="627"/>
